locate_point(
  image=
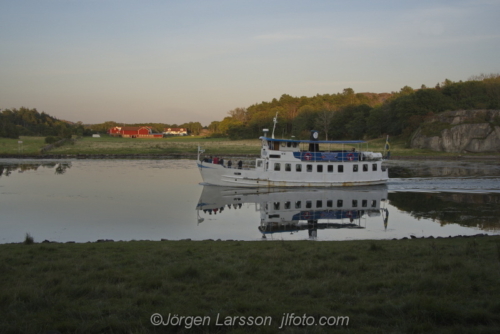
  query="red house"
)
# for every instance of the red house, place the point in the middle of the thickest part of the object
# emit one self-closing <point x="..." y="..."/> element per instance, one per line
<point x="134" y="132"/>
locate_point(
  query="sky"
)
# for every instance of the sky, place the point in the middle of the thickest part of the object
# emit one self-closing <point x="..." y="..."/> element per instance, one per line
<point x="183" y="61"/>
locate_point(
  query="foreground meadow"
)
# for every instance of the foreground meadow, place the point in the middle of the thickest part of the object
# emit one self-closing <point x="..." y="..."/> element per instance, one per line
<point x="403" y="286"/>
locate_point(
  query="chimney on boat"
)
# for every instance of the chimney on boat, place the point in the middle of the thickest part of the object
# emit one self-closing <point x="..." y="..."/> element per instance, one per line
<point x="314" y="147"/>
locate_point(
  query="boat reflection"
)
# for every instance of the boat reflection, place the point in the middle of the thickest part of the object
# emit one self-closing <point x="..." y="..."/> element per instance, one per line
<point x="299" y="209"/>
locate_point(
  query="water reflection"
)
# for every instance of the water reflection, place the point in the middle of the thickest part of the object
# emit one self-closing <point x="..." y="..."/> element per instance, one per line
<point x="466" y="209"/>
<point x="155" y="199"/>
<point x="300" y="209"/>
<point x="8" y="169"/>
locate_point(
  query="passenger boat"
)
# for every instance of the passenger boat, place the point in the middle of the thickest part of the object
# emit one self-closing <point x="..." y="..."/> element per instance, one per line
<point x="300" y="163"/>
<point x="299" y="209"/>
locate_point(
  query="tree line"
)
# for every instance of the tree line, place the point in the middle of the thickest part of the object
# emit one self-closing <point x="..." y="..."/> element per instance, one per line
<point x="345" y="115"/>
<point x="30" y="122"/>
<point x="192" y="127"/>
<point x="350" y="115"/>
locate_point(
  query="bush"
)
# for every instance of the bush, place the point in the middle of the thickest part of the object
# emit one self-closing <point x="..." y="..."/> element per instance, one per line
<point x="51" y="140"/>
<point x="28" y="240"/>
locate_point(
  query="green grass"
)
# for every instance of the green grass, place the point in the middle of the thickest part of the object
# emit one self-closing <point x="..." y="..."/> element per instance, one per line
<point x="404" y="286"/>
<point x="30" y="145"/>
<point x="107" y="145"/>
<point x="159" y="146"/>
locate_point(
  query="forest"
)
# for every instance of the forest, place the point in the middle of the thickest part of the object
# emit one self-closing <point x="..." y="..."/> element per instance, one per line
<point x="350" y="115"/>
<point x="30" y="122"/>
<point x="345" y="115"/>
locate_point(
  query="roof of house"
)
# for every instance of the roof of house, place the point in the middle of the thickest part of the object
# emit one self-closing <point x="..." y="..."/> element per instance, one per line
<point x="176" y="129"/>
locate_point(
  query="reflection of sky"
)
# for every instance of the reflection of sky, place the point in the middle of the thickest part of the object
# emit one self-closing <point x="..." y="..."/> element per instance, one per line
<point x="151" y="200"/>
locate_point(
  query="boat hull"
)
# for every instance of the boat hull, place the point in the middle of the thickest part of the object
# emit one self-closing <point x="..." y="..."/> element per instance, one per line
<point x="222" y="176"/>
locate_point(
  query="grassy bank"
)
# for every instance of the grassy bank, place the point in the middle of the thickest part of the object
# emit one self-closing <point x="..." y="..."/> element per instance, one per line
<point x="161" y="146"/>
<point x="107" y="145"/>
<point x="403" y="286"/>
<point x="29" y="146"/>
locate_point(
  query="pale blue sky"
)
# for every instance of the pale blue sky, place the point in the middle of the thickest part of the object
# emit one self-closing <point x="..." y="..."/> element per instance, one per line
<point x="192" y="60"/>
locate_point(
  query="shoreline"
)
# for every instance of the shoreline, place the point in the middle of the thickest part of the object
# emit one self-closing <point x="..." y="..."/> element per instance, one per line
<point x="194" y="155"/>
<point x="98" y="241"/>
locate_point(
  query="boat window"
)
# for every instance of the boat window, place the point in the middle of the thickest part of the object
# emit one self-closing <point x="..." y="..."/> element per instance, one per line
<point x="288" y="167"/>
<point x="274" y="156"/>
<point x="298" y="167"/>
<point x="374" y="167"/>
<point x="364" y="203"/>
<point x="330" y="168"/>
<point x="374" y="204"/>
<point x="354" y="203"/>
<point x="309" y="168"/>
<point x="259" y="163"/>
<point x="329" y="203"/>
<point x="298" y="205"/>
<point x="294" y="144"/>
<point x="277" y="166"/>
<point x="340" y="168"/>
<point x="288" y="144"/>
<point x="309" y="204"/>
<point x="283" y="144"/>
<point x="340" y="203"/>
<point x="320" y="168"/>
<point x="354" y="168"/>
<point x="274" y="216"/>
<point x="365" y="167"/>
<point x="288" y="205"/>
<point x="276" y="146"/>
<point x="319" y="204"/>
<point x="276" y="205"/>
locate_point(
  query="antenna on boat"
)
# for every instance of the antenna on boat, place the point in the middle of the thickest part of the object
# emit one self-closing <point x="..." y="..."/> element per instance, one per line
<point x="275" y="120"/>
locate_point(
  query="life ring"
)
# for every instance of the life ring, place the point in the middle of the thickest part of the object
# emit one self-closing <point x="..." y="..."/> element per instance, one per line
<point x="308" y="156"/>
<point x="306" y="215"/>
<point x="350" y="157"/>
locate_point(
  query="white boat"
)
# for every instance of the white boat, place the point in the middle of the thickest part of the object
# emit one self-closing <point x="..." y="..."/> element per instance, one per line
<point x="296" y="209"/>
<point x="300" y="163"/>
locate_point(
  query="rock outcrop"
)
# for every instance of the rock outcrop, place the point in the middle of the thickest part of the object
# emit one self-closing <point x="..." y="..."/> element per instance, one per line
<point x="462" y="131"/>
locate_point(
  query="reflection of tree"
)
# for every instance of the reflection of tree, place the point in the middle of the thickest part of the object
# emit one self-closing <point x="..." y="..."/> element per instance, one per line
<point x="61" y="168"/>
<point x="8" y="169"/>
<point x="470" y="210"/>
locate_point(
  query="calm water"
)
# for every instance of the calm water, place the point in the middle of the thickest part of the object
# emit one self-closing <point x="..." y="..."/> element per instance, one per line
<point x="87" y="200"/>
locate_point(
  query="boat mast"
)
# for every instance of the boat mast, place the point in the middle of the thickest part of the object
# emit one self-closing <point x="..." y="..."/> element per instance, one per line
<point x="275" y="120"/>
